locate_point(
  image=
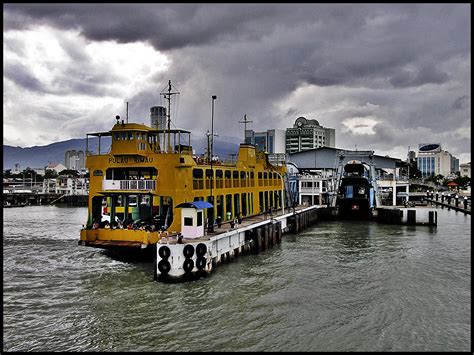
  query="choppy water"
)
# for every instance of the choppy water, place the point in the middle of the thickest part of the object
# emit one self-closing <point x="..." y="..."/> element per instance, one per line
<point x="338" y="286"/>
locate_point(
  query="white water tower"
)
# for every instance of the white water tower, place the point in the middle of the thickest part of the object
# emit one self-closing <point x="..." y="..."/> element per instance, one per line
<point x="158" y="117"/>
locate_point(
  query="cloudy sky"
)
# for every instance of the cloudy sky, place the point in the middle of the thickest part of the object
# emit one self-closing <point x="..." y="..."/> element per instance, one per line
<point x="385" y="76"/>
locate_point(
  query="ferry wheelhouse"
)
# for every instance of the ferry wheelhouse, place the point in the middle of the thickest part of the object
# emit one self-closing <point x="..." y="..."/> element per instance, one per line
<point x="355" y="196"/>
<point x="137" y="185"/>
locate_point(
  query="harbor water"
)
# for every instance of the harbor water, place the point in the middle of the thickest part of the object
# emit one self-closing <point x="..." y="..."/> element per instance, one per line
<point x="337" y="286"/>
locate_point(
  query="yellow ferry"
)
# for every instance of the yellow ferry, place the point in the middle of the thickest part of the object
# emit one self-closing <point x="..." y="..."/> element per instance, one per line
<point x="135" y="187"/>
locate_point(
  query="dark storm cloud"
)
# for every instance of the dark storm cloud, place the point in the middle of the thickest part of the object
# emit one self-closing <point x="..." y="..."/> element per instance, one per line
<point x="22" y="77"/>
<point x="408" y="60"/>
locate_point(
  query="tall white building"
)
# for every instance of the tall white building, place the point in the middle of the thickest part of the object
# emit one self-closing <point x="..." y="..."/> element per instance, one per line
<point x="74" y="160"/>
<point x="308" y="134"/>
<point x="432" y="160"/>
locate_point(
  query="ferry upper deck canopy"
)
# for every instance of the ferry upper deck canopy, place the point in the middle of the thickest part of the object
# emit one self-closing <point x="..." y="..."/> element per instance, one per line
<point x="163" y="136"/>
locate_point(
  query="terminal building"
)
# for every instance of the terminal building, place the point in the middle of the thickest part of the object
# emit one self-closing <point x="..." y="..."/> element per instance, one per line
<point x="432" y="160"/>
<point x="308" y="134"/>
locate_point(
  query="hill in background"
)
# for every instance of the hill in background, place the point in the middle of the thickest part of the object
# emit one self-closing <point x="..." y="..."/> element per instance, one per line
<point x="41" y="156"/>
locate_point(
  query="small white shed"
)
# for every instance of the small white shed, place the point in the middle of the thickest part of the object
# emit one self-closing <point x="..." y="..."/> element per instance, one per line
<point x="192" y="218"/>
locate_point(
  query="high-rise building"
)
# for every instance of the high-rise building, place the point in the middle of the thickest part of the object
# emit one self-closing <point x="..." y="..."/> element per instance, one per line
<point x="432" y="160"/>
<point x="308" y="134"/>
<point x="271" y="141"/>
<point x="74" y="160"/>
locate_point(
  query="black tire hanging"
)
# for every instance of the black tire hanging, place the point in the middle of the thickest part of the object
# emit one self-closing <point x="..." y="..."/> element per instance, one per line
<point x="200" y="263"/>
<point x="164" y="266"/>
<point x="201" y="249"/>
<point x="164" y="252"/>
<point x="188" y="251"/>
<point x="188" y="265"/>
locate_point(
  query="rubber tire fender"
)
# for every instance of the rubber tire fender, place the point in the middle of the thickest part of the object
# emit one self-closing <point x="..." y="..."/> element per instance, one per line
<point x="164" y="252"/>
<point x="201" y="249"/>
<point x="188" y="251"/>
<point x="188" y="265"/>
<point x="200" y="263"/>
<point x="164" y="266"/>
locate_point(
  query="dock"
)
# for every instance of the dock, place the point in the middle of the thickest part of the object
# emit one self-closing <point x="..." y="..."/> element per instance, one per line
<point x="194" y="258"/>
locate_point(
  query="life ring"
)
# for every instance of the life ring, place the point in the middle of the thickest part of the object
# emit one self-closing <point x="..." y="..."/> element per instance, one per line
<point x="201" y="249"/>
<point x="164" y="266"/>
<point x="200" y="263"/>
<point x="164" y="252"/>
<point x="188" y="265"/>
<point x="188" y="251"/>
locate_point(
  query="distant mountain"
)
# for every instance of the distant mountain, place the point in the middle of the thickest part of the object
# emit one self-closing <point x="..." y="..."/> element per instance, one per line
<point x="41" y="156"/>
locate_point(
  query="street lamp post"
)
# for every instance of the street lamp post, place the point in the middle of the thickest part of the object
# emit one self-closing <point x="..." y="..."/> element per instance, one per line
<point x="210" y="227"/>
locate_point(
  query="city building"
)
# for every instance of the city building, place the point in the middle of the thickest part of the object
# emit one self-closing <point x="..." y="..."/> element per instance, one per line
<point x="271" y="141"/>
<point x="72" y="185"/>
<point x="74" y="160"/>
<point x="58" y="167"/>
<point x="432" y="160"/>
<point x="465" y="169"/>
<point x="308" y="134"/>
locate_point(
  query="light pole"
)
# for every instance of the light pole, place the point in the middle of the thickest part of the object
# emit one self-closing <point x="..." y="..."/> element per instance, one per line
<point x="210" y="227"/>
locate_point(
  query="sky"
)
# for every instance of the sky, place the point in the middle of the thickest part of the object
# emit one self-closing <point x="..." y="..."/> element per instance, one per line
<point x="386" y="77"/>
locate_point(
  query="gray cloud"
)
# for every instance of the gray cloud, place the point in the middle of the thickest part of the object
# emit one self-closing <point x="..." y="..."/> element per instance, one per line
<point x="408" y="60"/>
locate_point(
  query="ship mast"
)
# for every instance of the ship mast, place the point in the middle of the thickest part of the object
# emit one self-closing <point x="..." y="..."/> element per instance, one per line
<point x="245" y="121"/>
<point x="167" y="96"/>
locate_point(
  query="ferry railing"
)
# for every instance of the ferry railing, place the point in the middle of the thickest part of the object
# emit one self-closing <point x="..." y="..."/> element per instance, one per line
<point x="129" y="185"/>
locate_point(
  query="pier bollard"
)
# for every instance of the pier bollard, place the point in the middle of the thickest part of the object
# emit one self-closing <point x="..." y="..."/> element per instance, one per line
<point x="432" y="218"/>
<point x="258" y="239"/>
<point x="456" y="200"/>
<point x="436" y="197"/>
<point x="442" y="197"/>
<point x="411" y="217"/>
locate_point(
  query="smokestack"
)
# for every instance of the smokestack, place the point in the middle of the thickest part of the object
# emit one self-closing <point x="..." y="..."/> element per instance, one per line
<point x="158" y="117"/>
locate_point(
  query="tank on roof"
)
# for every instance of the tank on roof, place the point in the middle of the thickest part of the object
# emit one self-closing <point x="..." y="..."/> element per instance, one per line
<point x="303" y="121"/>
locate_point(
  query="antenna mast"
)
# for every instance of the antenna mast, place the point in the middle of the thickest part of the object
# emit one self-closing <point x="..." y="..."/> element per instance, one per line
<point x="167" y="96"/>
<point x="245" y="121"/>
<point x="127" y="111"/>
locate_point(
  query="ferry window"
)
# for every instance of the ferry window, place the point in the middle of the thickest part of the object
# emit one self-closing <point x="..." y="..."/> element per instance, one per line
<point x="116" y="137"/>
<point x="139" y="136"/>
<point x="265" y="179"/>
<point x="260" y="181"/>
<point x="235" y="178"/>
<point x="243" y="180"/>
<point x="208" y="178"/>
<point x="236" y="204"/>
<point x="219" y="180"/>
<point x="244" y="204"/>
<point x="198" y="182"/>
<point x="252" y="181"/>
<point x="261" y="202"/>
<point x="124" y="136"/>
<point x="228" y="206"/>
<point x="188" y="221"/>
<point x="98" y="173"/>
<point x="228" y="181"/>
<point x="130" y="135"/>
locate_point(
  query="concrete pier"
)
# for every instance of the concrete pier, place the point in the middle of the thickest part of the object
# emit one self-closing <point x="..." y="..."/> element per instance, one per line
<point x="194" y="258"/>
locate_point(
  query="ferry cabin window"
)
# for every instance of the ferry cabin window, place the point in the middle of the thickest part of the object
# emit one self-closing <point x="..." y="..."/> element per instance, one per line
<point x="260" y="181"/>
<point x="228" y="179"/>
<point x="252" y="179"/>
<point x="124" y="136"/>
<point x="236" y="205"/>
<point x="235" y="178"/>
<point x="219" y="179"/>
<point x="228" y="207"/>
<point x="265" y="179"/>
<point x="116" y="137"/>
<point x="243" y="180"/>
<point x="97" y="173"/>
<point x="198" y="182"/>
<point x="209" y="178"/>
<point x="130" y="136"/>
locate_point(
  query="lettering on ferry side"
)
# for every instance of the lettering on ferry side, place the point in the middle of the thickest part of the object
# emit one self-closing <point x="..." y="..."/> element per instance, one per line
<point x="130" y="160"/>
